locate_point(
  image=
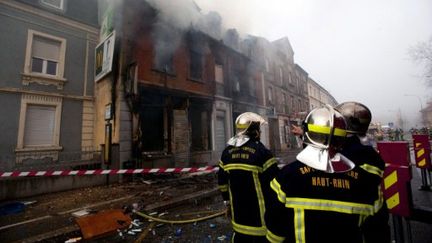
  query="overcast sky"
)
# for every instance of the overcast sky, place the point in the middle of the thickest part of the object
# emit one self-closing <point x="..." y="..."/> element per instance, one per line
<point x="356" y="49"/>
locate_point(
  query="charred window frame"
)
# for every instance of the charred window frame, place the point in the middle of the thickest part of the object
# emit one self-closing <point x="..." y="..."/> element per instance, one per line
<point x="165" y="64"/>
<point x="196" y="65"/>
<point x="196" y="55"/>
<point x="166" y="39"/>
<point x="153" y="120"/>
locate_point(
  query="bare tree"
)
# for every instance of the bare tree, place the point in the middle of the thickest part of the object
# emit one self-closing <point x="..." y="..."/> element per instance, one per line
<point x="422" y="54"/>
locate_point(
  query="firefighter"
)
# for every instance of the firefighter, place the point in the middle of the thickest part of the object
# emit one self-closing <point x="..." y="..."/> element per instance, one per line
<point x="245" y="170"/>
<point x="369" y="164"/>
<point x="328" y="194"/>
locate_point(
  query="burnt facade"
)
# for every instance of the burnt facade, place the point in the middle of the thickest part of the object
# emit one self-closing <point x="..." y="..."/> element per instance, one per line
<point x="178" y="88"/>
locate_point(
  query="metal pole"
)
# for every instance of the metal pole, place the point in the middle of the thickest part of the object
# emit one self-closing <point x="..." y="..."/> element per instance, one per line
<point x="398" y="229"/>
<point x="424" y="186"/>
<point x="408" y="228"/>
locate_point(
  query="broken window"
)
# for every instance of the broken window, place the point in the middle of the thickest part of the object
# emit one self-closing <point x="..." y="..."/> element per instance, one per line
<point x="165" y="63"/>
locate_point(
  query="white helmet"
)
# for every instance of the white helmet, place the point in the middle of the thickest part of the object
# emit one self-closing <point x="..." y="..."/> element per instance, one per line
<point x="247" y="126"/>
<point x="324" y="133"/>
<point x="248" y="121"/>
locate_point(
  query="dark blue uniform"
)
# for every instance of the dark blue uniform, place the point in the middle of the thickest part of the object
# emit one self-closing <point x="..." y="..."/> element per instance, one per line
<point x="244" y="178"/>
<point x="308" y="205"/>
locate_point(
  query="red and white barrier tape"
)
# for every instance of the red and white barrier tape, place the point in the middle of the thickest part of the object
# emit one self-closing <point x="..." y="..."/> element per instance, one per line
<point x="106" y="172"/>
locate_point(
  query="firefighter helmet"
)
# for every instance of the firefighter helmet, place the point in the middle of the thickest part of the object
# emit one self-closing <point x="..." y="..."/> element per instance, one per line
<point x="324" y="133"/>
<point x="247" y="126"/>
<point x="357" y="116"/>
<point x="248" y="122"/>
<point x="324" y="127"/>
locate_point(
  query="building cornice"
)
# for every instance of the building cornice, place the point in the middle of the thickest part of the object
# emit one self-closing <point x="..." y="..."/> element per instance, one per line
<point x="50" y="16"/>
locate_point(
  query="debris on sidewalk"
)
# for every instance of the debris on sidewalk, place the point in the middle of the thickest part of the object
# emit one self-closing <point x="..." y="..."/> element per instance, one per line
<point x="81" y="213"/>
<point x="102" y="223"/>
<point x="73" y="240"/>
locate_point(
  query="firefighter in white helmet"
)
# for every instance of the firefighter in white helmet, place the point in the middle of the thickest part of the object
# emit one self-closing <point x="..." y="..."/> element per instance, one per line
<point x="323" y="196"/>
<point x="245" y="170"/>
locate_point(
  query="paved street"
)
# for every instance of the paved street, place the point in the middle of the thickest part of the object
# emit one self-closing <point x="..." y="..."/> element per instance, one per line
<point x="420" y="231"/>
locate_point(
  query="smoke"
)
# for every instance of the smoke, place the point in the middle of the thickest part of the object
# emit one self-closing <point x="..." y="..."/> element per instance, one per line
<point x="173" y="20"/>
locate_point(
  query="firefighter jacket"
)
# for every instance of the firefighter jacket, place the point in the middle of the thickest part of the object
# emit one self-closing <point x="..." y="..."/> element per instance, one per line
<point x="308" y="205"/>
<point x="244" y="179"/>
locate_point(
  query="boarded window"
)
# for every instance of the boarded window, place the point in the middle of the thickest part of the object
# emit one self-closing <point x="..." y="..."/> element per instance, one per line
<point x="39" y="125"/>
<point x="200" y="129"/>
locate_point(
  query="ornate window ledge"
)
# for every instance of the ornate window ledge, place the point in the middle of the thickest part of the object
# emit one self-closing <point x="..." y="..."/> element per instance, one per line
<point x="28" y="78"/>
<point x="37" y="153"/>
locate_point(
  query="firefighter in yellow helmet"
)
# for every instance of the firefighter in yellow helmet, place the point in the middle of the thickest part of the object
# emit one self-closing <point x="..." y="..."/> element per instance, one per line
<point x="245" y="170"/>
<point x="324" y="196"/>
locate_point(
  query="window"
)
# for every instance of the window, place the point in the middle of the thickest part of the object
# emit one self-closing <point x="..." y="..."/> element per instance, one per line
<point x="252" y="87"/>
<point x="267" y="66"/>
<point x="270" y="94"/>
<point x="196" y="65"/>
<point x="45" y="58"/>
<point x="58" y="4"/>
<point x="39" y="125"/>
<point x="219" y="74"/>
<point x="165" y="63"/>
<point x="45" y="55"/>
<point x="281" y="77"/>
<point x="236" y="84"/>
<point x="284" y="103"/>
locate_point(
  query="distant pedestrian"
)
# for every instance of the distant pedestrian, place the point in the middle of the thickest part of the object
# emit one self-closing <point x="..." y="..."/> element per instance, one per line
<point x="245" y="170"/>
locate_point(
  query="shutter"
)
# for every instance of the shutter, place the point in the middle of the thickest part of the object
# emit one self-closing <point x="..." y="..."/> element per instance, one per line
<point x="39" y="125"/>
<point x="46" y="48"/>
<point x="220" y="138"/>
